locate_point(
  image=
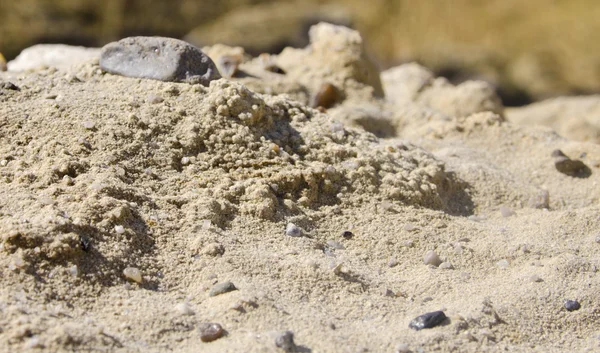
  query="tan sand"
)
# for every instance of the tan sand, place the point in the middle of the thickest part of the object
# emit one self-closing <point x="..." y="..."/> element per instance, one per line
<point x="195" y="186"/>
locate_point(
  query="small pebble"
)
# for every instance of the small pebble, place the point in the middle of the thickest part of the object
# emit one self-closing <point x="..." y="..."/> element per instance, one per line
<point x="119" y="229"/>
<point x="293" y="230"/>
<point x="541" y="200"/>
<point x="392" y="263"/>
<point x="502" y="263"/>
<point x="285" y="341"/>
<point x="222" y="288"/>
<point x="446" y="266"/>
<point x="210" y="331"/>
<point x="185" y="160"/>
<point x="572" y="305"/>
<point x="335" y="244"/>
<point x="158" y="58"/>
<point x="431" y="258"/>
<point x="347" y="235"/>
<point x="229" y="64"/>
<point x="326" y="97"/>
<point x="89" y="125"/>
<point x="568" y="166"/>
<point x="536" y="278"/>
<point x="402" y="348"/>
<point x="184" y="309"/>
<point x="133" y="274"/>
<point x="73" y="270"/>
<point x="213" y="249"/>
<point x="427" y="320"/>
<point x="506" y="212"/>
<point x="154" y="99"/>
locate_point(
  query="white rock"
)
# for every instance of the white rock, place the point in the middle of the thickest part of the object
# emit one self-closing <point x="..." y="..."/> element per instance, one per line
<point x="133" y="274"/>
<point x="59" y="56"/>
<point x="293" y="230"/>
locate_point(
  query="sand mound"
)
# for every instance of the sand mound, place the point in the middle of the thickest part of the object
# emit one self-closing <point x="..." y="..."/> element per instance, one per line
<point x="131" y="204"/>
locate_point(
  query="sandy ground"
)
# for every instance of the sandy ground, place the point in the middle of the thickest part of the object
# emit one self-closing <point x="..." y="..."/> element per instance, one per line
<point x="194" y="186"/>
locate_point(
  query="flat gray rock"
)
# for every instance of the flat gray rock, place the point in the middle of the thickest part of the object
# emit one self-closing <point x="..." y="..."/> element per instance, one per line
<point x="158" y="58"/>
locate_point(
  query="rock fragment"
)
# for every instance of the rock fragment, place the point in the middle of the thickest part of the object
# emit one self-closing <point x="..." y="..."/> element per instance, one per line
<point x="285" y="341"/>
<point x="133" y="274"/>
<point x="158" y="58"/>
<point x="572" y="305"/>
<point x="427" y="320"/>
<point x="327" y="96"/>
<point x="222" y="288"/>
<point x="431" y="258"/>
<point x="293" y="230"/>
<point x="210" y="331"/>
<point x="568" y="166"/>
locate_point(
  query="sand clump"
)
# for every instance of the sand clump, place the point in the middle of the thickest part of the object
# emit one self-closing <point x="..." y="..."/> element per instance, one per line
<point x="124" y="196"/>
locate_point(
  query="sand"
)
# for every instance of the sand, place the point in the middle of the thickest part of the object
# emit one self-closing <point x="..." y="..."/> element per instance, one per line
<point x="125" y="201"/>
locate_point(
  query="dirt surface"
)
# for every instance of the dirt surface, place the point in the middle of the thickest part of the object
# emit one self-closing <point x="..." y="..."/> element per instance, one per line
<point x="126" y="201"/>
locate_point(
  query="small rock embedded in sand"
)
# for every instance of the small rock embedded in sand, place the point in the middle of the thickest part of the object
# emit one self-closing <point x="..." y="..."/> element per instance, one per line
<point x="184" y="308"/>
<point x="502" y="263"/>
<point x="427" y="320"/>
<point x="9" y="85"/>
<point x="154" y="99"/>
<point x="213" y="249"/>
<point x="293" y="230"/>
<point x="221" y="288"/>
<point x="536" y="279"/>
<point x="506" y="212"/>
<point x="285" y="341"/>
<point x="210" y="331"/>
<point x="119" y="229"/>
<point x="431" y="258"/>
<point x="446" y="266"/>
<point x="402" y="348"/>
<point x="158" y="58"/>
<point x="326" y="97"/>
<point x="347" y="234"/>
<point x="541" y="200"/>
<point x="133" y="274"/>
<point x="572" y="305"/>
<point x="568" y="166"/>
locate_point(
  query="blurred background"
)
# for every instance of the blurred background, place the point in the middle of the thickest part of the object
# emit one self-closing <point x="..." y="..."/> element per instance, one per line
<point x="530" y="50"/>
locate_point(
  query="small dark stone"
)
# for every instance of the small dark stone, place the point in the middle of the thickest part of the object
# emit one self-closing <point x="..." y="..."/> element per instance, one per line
<point x="158" y="58"/>
<point x="427" y="320"/>
<point x="572" y="305"/>
<point x="347" y="234"/>
<point x="84" y="243"/>
<point x="568" y="166"/>
<point x="326" y="97"/>
<point x="210" y="331"/>
<point x="275" y="69"/>
<point x="222" y="288"/>
<point x="285" y="341"/>
<point x="9" y="85"/>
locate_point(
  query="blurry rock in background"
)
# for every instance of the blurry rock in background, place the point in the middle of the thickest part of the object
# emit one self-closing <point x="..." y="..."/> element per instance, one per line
<point x="529" y="50"/>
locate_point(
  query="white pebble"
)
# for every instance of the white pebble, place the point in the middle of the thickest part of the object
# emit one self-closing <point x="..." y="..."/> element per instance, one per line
<point x="3" y="163"/>
<point x="119" y="229"/>
<point x="184" y="309"/>
<point x="506" y="212"/>
<point x="402" y="348"/>
<point x="133" y="274"/>
<point x="89" y="124"/>
<point x="206" y="224"/>
<point x="431" y="258"/>
<point x="446" y="266"/>
<point x="185" y="160"/>
<point x="502" y="263"/>
<point x="293" y="230"/>
<point x="73" y="270"/>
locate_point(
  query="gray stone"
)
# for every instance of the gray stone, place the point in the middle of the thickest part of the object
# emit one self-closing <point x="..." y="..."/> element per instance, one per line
<point x="285" y="341"/>
<point x="158" y="58"/>
<point x="222" y="288"/>
<point x="428" y="320"/>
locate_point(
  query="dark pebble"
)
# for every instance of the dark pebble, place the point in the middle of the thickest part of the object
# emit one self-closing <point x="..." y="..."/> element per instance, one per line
<point x="568" y="166"/>
<point x="84" y="243"/>
<point x="285" y="341"/>
<point x="326" y="97"/>
<point x="9" y="85"/>
<point x="222" y="288"/>
<point x="427" y="320"/>
<point x="210" y="332"/>
<point x="572" y="305"/>
<point x="158" y="58"/>
<point x="347" y="234"/>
